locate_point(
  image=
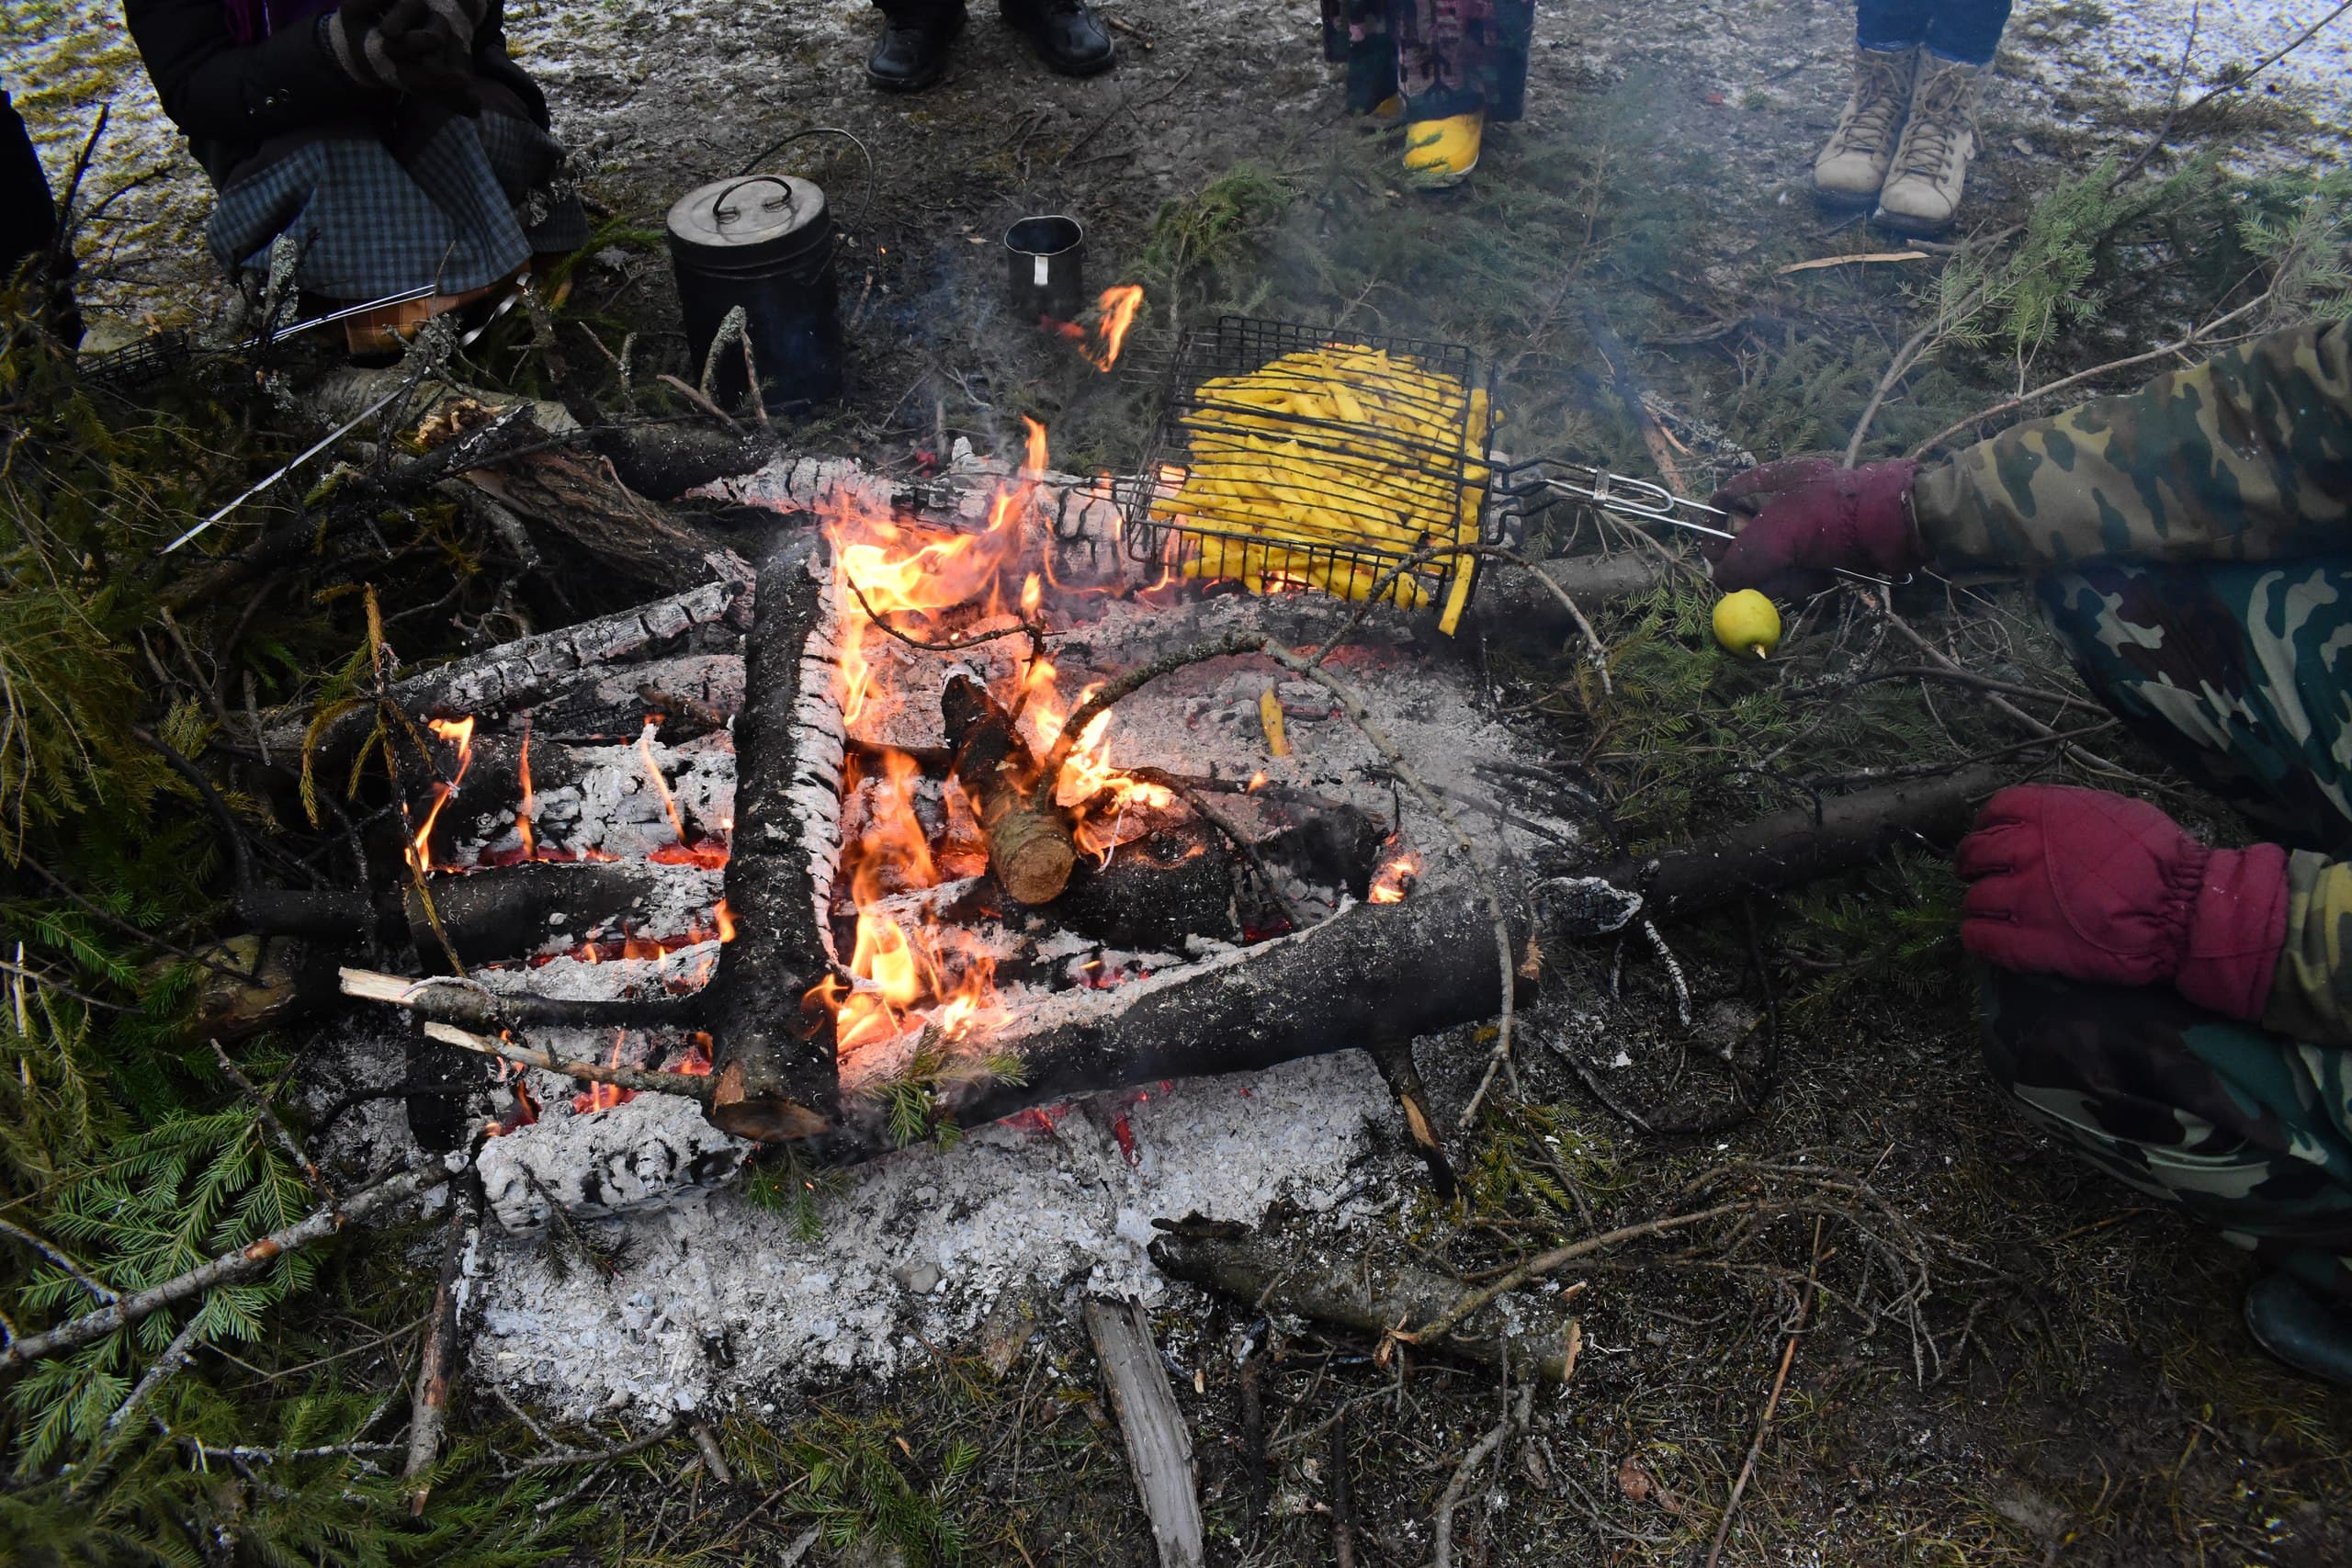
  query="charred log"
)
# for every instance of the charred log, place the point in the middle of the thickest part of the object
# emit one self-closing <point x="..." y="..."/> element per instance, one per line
<point x="486" y="917"/>
<point x="1513" y="607"/>
<point x="516" y="674"/>
<point x="772" y="1060"/>
<point x="505" y="914"/>
<point x="1790" y="847"/>
<point x="1373" y="974"/>
<point x="1030" y="848"/>
<point x="1272" y="1271"/>
<point x="1157" y="891"/>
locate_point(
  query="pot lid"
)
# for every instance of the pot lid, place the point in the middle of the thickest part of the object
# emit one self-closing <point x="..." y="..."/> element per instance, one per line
<point x="749" y="210"/>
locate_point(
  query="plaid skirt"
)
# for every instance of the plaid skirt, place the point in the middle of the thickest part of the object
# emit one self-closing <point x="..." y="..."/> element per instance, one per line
<point x="1444" y="56"/>
<point x="460" y="202"/>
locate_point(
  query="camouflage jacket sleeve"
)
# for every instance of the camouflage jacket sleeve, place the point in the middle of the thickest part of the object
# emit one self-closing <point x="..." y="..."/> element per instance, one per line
<point x="2311" y="991"/>
<point x="2247" y="457"/>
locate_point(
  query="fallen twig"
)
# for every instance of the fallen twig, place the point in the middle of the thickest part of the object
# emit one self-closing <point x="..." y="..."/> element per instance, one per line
<point x="692" y="1086"/>
<point x="1542" y="1263"/>
<point x="1818" y="263"/>
<point x="1514" y="1421"/>
<point x="1773" y="1402"/>
<point x="436" y="1373"/>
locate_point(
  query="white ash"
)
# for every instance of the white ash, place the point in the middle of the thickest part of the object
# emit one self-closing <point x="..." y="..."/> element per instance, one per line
<point x="716" y="1300"/>
<point x="606" y="1162"/>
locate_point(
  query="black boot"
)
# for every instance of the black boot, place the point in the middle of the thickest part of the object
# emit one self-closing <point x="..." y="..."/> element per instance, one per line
<point x="1066" y="35"/>
<point x="912" y="52"/>
<point x="2312" y="1336"/>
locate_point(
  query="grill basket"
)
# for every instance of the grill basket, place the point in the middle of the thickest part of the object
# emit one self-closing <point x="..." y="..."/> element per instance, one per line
<point x="1289" y="501"/>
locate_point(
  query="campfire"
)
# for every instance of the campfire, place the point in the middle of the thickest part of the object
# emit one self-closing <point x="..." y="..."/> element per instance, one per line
<point x="1022" y="785"/>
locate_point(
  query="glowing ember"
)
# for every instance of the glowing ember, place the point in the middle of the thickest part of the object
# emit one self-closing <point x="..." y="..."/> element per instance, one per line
<point x="603" y="1096"/>
<point x="1396" y="879"/>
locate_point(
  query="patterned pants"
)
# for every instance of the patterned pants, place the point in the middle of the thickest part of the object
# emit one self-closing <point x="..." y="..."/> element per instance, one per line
<point x="1445" y="57"/>
<point x="456" y="200"/>
<point x="2237" y="674"/>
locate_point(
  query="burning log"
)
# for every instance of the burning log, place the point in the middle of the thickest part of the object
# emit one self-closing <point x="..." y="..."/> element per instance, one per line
<point x="1376" y="972"/>
<point x="503" y="915"/>
<point x="773" y="1062"/>
<point x="1030" y="845"/>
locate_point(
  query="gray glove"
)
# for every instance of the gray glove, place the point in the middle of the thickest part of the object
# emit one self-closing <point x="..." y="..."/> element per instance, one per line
<point x="406" y="46"/>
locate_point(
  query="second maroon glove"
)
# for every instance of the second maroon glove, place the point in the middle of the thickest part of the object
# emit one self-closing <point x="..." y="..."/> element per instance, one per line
<point x="1807" y="516"/>
<point x="2102" y="888"/>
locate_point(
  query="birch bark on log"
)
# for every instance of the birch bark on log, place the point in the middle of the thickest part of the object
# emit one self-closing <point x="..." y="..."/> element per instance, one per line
<point x="773" y="1062"/>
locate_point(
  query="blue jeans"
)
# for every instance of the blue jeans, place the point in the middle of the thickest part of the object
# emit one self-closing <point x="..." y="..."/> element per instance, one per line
<point x="1965" y="30"/>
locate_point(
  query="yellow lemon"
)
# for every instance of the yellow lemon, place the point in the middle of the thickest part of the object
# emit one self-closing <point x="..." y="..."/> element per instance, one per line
<point x="1747" y="624"/>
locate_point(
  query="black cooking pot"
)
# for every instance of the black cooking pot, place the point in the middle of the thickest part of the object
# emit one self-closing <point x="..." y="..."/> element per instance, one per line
<point x="765" y="243"/>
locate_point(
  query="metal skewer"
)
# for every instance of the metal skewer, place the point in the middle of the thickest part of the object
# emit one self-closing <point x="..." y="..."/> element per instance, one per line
<point x="313" y="450"/>
<point x="1644" y="501"/>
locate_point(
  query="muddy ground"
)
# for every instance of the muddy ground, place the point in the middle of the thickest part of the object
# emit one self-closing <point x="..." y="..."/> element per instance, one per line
<point x="2026" y="1365"/>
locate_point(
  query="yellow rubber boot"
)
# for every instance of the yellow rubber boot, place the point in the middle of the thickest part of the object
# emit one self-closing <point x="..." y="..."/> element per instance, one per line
<point x="1441" y="153"/>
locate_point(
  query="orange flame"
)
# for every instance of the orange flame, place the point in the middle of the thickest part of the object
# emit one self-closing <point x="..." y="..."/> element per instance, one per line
<point x="524" y="813"/>
<point x="1396" y="879"/>
<point x="906" y="971"/>
<point x="459" y="732"/>
<point x="661" y="784"/>
<point x="1119" y="305"/>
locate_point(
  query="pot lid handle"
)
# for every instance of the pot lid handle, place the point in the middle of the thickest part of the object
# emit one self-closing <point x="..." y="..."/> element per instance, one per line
<point x="872" y="178"/>
<point x="722" y="215"/>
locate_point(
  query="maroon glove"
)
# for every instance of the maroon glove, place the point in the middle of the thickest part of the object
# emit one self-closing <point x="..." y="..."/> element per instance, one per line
<point x="1807" y="514"/>
<point x="2097" y="887"/>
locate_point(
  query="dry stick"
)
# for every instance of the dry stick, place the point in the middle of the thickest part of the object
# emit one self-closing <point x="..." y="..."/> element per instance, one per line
<point x="1544" y="1263"/>
<point x="661" y="1434"/>
<point x="2192" y="339"/>
<point x="1515" y="1420"/>
<point x="227" y="1269"/>
<point x="285" y="1139"/>
<point x="1910" y="634"/>
<point x="437" y="1372"/>
<point x="1788" y="1356"/>
<point x="696" y="398"/>
<point x="693" y="1086"/>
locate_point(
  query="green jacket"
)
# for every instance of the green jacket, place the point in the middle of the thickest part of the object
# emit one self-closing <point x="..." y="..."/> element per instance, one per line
<point x="2247" y="457"/>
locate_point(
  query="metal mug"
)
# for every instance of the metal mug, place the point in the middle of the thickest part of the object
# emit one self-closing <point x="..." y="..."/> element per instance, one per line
<point x="1046" y="267"/>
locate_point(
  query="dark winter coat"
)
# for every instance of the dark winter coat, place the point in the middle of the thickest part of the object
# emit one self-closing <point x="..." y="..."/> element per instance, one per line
<point x="230" y="98"/>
